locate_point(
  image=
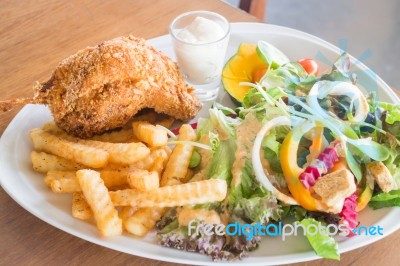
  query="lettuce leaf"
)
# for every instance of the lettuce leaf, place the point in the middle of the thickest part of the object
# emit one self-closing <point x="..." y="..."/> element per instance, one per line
<point x="245" y="189"/>
<point x="393" y="164"/>
<point x="222" y="160"/>
<point x="256" y="209"/>
<point x="392" y="112"/>
<point x="220" y="134"/>
<point x="271" y="145"/>
<point x="289" y="77"/>
<point x="323" y="244"/>
<point x="254" y="99"/>
<point x="383" y="200"/>
<point x="218" y="247"/>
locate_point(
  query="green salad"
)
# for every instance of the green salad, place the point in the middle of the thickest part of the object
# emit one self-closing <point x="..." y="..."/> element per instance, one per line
<point x="301" y="148"/>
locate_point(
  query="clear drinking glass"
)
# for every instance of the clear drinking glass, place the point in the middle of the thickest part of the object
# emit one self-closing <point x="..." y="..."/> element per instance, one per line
<point x="200" y="40"/>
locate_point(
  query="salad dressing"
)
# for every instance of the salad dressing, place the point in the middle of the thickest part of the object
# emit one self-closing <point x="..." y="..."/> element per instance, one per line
<point x="186" y="214"/>
<point x="245" y="133"/>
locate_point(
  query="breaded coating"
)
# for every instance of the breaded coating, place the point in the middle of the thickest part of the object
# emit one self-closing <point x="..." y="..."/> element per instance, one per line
<point x="100" y="88"/>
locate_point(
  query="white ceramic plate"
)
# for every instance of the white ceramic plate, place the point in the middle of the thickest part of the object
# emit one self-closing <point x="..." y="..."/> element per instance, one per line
<point x="27" y="188"/>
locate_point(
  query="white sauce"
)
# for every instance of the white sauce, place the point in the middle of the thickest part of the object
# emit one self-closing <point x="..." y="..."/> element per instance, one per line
<point x="201" y="30"/>
<point x="200" y="54"/>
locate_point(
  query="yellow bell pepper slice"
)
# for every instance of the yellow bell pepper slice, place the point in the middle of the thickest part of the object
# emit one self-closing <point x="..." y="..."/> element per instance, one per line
<point x="292" y="171"/>
<point x="364" y="198"/>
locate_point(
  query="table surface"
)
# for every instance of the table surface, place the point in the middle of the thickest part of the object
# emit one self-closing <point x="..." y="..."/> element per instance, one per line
<point x="35" y="36"/>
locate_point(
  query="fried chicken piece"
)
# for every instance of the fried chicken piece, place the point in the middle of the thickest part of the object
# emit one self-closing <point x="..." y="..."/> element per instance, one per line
<point x="100" y="88"/>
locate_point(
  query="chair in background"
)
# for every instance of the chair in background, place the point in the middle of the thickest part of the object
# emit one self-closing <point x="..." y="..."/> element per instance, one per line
<point x="254" y="7"/>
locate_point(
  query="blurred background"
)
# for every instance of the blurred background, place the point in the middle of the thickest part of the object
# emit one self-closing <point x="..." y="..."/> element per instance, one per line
<point x="369" y="28"/>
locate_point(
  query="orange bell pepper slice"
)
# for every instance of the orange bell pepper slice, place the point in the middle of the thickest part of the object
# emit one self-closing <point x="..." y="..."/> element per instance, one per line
<point x="316" y="146"/>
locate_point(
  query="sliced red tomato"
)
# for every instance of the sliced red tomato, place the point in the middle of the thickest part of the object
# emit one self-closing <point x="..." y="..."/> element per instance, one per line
<point x="309" y="65"/>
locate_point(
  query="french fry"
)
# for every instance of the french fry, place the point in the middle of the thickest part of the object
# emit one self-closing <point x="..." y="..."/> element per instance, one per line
<point x="62" y="181"/>
<point x="114" y="178"/>
<point x="150" y="134"/>
<point x="97" y="196"/>
<point x="148" y="163"/>
<point x="126" y="212"/>
<point x="120" y="153"/>
<point x="142" y="220"/>
<point x="44" y="162"/>
<point x="77" y="152"/>
<point x="178" y="163"/>
<point x="56" y="175"/>
<point x="145" y="164"/>
<point x="65" y="185"/>
<point x="205" y="191"/>
<point x="120" y="164"/>
<point x="66" y="182"/>
<point x="80" y="208"/>
<point x="52" y="128"/>
<point x="172" y="182"/>
<point x="189" y="175"/>
<point x="199" y="175"/>
<point x="160" y="159"/>
<point x="158" y="165"/>
<point x="143" y="180"/>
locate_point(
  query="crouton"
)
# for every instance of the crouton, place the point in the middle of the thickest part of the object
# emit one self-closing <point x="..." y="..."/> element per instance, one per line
<point x="382" y="176"/>
<point x="334" y="188"/>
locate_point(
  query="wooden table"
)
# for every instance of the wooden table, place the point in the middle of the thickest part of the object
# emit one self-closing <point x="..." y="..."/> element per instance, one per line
<point x="34" y="37"/>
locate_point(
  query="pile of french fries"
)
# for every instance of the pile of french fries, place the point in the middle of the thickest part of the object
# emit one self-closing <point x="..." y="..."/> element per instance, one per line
<point x="124" y="179"/>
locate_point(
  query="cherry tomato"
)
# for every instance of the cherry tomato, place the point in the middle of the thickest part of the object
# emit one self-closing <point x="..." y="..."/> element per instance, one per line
<point x="258" y="74"/>
<point x="309" y="65"/>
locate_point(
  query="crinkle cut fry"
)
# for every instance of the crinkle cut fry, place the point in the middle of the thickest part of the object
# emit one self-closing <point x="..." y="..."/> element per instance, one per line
<point x="211" y="190"/>
<point x="66" y="181"/>
<point x="80" y="209"/>
<point x="178" y="162"/>
<point x="150" y="134"/>
<point x="96" y="195"/>
<point x="44" y="162"/>
<point x="120" y="153"/>
<point x="143" y="180"/>
<point x="92" y="157"/>
<point x="142" y="220"/>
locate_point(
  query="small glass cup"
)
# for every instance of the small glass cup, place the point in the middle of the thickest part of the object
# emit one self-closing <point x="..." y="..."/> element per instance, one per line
<point x="200" y="47"/>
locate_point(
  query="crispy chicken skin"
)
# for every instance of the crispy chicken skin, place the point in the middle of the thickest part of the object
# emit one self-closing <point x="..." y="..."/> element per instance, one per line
<point x="100" y="88"/>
